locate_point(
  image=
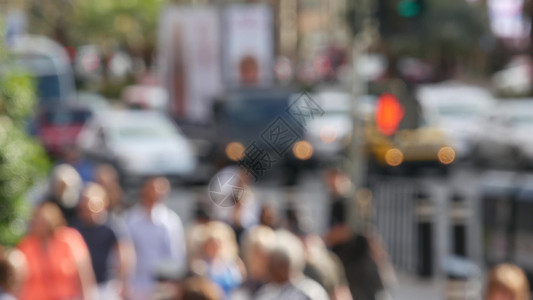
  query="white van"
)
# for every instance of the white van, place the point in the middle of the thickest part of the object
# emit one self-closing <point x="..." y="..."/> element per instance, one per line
<point x="49" y="63"/>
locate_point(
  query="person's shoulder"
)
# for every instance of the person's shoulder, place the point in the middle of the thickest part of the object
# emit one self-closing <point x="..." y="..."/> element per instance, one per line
<point x="27" y="242"/>
<point x="67" y="233"/>
<point x="133" y="214"/>
<point x="311" y="288"/>
<point x="69" y="236"/>
<point x="166" y="214"/>
<point x="284" y="292"/>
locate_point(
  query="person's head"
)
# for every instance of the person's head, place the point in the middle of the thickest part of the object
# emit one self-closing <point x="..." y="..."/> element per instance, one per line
<point x="106" y="175"/>
<point x="199" y="288"/>
<point x="47" y="217"/>
<point x="71" y="153"/>
<point x="154" y="190"/>
<point x="202" y="213"/>
<point x="93" y="204"/>
<point x="507" y="282"/>
<point x="296" y="219"/>
<point x="7" y="272"/>
<point x="268" y="215"/>
<point x="256" y="245"/>
<point x="214" y="240"/>
<point x="286" y="257"/>
<point x="337" y="182"/>
<point x="65" y="185"/>
<point x="279" y="266"/>
<point x="249" y="70"/>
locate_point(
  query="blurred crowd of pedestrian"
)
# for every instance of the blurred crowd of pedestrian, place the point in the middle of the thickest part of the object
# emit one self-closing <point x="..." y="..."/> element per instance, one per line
<point x="84" y="242"/>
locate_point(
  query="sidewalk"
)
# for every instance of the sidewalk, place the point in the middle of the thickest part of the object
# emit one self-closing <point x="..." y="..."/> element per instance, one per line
<point x="410" y="287"/>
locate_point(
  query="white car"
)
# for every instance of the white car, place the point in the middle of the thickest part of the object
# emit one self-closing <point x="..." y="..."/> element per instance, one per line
<point x="505" y="134"/>
<point x="139" y="144"/>
<point x="330" y="134"/>
<point x="457" y="110"/>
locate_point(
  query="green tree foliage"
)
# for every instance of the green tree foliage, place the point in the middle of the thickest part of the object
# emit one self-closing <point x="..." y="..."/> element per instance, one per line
<point x="131" y="24"/>
<point x="22" y="160"/>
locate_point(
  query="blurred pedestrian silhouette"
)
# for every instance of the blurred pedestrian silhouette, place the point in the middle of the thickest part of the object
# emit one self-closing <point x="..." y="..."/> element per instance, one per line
<point x="286" y="261"/>
<point x="64" y="190"/>
<point x="108" y="178"/>
<point x="361" y="252"/>
<point x="507" y="282"/>
<point x="58" y="261"/>
<point x="199" y="288"/>
<point x="103" y="243"/>
<point x="158" y="238"/>
<point x="255" y="248"/>
<point x="8" y="276"/>
<point x="217" y="256"/>
<point x="73" y="156"/>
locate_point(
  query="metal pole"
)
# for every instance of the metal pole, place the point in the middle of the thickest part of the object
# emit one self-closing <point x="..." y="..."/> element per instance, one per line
<point x="357" y="166"/>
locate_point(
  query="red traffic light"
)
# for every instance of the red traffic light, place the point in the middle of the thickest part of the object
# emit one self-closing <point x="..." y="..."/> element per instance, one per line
<point x="389" y="113"/>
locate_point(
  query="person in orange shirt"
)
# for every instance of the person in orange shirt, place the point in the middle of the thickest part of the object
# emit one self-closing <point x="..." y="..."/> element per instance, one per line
<point x="58" y="262"/>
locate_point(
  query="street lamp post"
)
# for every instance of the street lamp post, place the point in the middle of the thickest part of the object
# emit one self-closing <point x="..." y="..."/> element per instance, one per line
<point x="357" y="167"/>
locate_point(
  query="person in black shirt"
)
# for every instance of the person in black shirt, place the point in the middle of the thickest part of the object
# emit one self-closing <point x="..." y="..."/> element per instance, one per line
<point x="360" y="252"/>
<point x="101" y="239"/>
<point x="339" y="231"/>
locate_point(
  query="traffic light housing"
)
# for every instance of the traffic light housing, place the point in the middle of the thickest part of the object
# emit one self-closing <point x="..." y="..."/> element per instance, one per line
<point x="389" y="113"/>
<point x="410" y="8"/>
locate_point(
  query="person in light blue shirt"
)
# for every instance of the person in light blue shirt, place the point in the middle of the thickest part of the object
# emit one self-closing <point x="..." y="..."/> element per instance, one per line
<point x="158" y="238"/>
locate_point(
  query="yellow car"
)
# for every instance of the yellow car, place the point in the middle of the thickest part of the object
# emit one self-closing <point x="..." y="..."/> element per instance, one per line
<point x="407" y="148"/>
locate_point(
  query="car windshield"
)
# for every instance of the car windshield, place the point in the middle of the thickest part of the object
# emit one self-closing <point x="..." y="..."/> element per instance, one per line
<point x="457" y="111"/>
<point x="248" y="112"/>
<point x="48" y="87"/>
<point x="46" y="76"/>
<point x="153" y="130"/>
<point x="522" y="120"/>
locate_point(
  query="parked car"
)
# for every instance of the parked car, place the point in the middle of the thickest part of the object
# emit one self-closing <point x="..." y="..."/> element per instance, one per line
<point x="58" y="127"/>
<point x="504" y="136"/>
<point x="94" y="101"/>
<point x="456" y="109"/>
<point x="139" y="144"/>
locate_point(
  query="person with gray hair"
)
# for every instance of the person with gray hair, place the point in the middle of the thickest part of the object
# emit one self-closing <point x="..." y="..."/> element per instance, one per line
<point x="64" y="190"/>
<point x="286" y="261"/>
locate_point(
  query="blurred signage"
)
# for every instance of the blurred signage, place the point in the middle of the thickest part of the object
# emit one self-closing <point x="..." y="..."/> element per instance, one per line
<point x="507" y="19"/>
<point x="248" y="45"/>
<point x="189" y="60"/>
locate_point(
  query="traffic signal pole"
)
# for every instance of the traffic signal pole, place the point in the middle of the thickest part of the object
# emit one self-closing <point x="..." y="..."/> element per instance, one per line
<point x="358" y="164"/>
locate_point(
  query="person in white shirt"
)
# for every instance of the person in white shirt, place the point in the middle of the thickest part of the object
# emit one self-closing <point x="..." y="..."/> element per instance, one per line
<point x="158" y="238"/>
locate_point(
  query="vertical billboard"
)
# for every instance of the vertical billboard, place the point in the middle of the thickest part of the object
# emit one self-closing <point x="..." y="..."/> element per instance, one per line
<point x="189" y="61"/>
<point x="508" y="20"/>
<point x="248" y="43"/>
